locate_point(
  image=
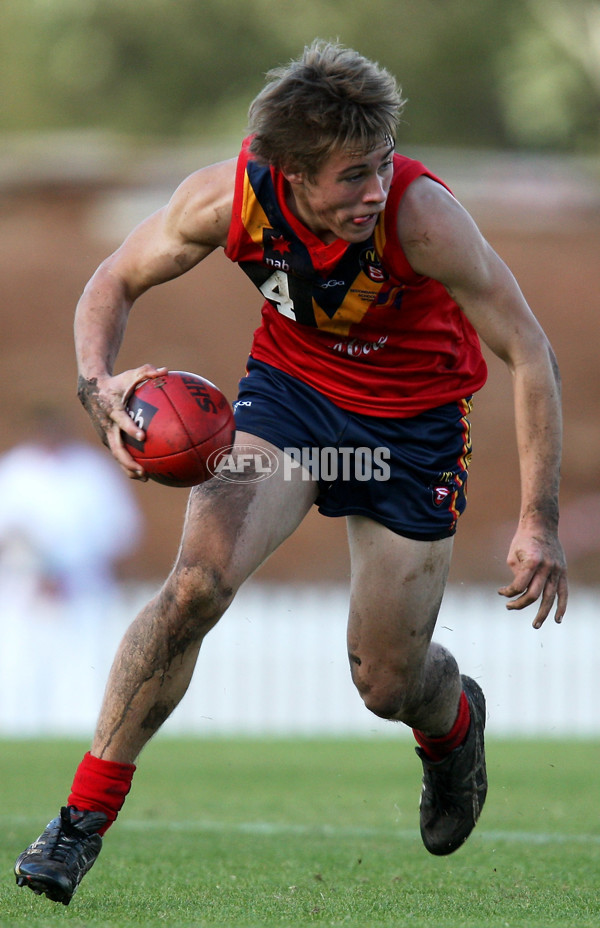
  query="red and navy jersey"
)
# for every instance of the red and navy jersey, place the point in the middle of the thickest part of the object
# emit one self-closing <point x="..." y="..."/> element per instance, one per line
<point x="352" y="320"/>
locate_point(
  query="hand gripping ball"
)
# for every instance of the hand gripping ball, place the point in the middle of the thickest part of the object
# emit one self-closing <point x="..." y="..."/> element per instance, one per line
<point x="188" y="424"/>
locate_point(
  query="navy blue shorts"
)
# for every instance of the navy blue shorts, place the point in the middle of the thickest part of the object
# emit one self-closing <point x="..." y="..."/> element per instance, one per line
<point x="409" y="474"/>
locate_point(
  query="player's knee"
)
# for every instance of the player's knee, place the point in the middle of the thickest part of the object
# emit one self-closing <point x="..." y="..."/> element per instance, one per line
<point x="384" y="702"/>
<point x="196" y="596"/>
<point x="387" y="692"/>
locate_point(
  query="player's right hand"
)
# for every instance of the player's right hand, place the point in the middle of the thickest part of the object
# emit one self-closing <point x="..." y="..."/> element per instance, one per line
<point x="105" y="400"/>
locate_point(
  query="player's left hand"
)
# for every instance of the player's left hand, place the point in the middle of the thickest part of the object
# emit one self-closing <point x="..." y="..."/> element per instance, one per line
<point x="537" y="561"/>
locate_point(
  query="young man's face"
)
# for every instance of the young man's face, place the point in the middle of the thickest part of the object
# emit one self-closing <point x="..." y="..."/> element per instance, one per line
<point x="347" y="195"/>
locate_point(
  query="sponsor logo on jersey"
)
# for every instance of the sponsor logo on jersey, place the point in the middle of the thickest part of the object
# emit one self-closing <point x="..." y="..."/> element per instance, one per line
<point x="356" y="347"/>
<point x="372" y="267"/>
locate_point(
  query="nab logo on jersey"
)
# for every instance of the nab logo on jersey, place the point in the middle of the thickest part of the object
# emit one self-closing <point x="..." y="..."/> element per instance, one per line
<point x="276" y="246"/>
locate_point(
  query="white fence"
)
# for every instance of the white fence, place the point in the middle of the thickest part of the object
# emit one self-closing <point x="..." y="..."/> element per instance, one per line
<point x="276" y="664"/>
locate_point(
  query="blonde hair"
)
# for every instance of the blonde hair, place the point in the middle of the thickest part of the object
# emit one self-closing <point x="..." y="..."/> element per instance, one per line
<point x="329" y="98"/>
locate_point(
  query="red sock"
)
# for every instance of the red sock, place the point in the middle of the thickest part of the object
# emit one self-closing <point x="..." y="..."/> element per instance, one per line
<point x="101" y="786"/>
<point x="438" y="748"/>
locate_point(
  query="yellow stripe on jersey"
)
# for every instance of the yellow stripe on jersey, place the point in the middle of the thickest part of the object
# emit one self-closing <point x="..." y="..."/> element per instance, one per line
<point x="253" y="216"/>
<point x="354" y="307"/>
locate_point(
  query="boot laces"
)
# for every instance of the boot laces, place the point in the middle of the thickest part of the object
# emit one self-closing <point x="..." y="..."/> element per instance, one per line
<point x="66" y="839"/>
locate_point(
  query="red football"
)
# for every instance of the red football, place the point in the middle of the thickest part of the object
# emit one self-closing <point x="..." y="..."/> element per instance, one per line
<point x="187" y="420"/>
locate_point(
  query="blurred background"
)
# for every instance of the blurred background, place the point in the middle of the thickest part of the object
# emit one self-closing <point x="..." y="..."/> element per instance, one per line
<point x="105" y="106"/>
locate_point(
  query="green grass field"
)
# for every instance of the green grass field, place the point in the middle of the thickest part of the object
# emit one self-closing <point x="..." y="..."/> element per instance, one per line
<point x="314" y="832"/>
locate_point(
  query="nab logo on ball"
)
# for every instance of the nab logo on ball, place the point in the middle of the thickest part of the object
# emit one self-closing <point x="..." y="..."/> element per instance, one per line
<point x="242" y="464"/>
<point x="142" y="414"/>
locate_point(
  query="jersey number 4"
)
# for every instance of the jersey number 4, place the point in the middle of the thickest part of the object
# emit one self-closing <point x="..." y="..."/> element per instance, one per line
<point x="276" y="289"/>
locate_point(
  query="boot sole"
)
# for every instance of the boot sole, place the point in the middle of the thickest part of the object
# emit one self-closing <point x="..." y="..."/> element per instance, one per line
<point x="42" y="887"/>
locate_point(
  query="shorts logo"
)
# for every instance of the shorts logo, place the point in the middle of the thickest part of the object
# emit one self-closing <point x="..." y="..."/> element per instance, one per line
<point x="443" y="488"/>
<point x="440" y="494"/>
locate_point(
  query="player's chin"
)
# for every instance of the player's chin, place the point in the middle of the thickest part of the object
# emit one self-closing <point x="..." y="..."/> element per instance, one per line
<point x="360" y="229"/>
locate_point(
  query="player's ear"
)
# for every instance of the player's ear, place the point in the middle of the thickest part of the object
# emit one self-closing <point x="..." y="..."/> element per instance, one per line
<point x="296" y="178"/>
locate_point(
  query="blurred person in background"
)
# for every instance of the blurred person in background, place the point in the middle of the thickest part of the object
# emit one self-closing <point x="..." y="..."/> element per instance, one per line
<point x="67" y="517"/>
